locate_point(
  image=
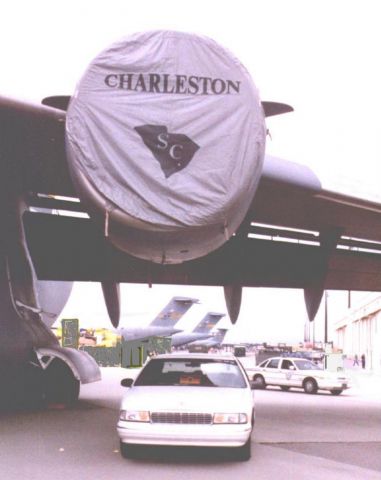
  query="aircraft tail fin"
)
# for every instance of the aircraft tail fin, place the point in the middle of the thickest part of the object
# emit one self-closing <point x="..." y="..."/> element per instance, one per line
<point x="220" y="335"/>
<point x="208" y="322"/>
<point x="171" y="314"/>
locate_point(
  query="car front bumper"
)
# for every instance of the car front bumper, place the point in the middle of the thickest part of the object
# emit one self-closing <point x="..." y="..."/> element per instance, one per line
<point x="331" y="384"/>
<point x="183" y="435"/>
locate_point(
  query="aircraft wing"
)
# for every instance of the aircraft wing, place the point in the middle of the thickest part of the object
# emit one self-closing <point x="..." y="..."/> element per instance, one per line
<point x="280" y="246"/>
<point x="305" y="229"/>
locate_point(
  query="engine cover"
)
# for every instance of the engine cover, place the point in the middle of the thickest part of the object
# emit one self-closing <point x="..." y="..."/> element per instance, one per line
<point x="165" y="139"/>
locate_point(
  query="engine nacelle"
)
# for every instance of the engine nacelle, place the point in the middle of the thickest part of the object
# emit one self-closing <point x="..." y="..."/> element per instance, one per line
<point x="165" y="139"/>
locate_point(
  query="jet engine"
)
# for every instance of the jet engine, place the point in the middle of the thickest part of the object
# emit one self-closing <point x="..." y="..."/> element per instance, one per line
<point x="165" y="136"/>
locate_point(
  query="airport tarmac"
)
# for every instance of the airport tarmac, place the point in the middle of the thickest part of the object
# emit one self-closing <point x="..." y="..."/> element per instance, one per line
<point x="297" y="436"/>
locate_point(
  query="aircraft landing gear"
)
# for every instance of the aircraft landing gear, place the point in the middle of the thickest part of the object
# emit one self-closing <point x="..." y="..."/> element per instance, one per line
<point x="30" y="387"/>
<point x="22" y="388"/>
<point x="60" y="385"/>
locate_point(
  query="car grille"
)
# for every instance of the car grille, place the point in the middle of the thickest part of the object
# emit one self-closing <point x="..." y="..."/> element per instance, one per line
<point x="181" y="417"/>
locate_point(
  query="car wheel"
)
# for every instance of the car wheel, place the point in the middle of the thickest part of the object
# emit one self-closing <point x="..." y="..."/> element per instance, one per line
<point x="244" y="452"/>
<point x="336" y="392"/>
<point x="310" y="385"/>
<point x="126" y="450"/>
<point x="284" y="388"/>
<point x="259" y="381"/>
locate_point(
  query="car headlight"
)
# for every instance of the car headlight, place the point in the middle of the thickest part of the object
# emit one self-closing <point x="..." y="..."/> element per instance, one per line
<point x="230" y="418"/>
<point x="134" y="415"/>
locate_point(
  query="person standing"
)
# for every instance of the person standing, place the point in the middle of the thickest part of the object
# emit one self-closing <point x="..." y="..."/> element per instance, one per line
<point x="363" y="360"/>
<point x="356" y="360"/>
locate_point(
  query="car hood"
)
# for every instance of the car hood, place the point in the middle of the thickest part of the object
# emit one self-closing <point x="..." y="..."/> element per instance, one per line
<point x="201" y="399"/>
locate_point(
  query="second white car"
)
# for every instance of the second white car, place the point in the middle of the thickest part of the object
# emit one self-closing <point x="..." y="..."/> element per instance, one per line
<point x="293" y="372"/>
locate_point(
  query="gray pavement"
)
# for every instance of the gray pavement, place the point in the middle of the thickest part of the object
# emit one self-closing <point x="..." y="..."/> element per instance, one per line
<point x="297" y="436"/>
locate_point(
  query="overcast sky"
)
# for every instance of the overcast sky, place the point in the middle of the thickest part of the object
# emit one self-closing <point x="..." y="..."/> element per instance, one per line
<point x="321" y="56"/>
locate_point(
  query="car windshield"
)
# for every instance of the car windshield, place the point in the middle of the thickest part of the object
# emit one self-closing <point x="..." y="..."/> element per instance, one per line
<point x="191" y="373"/>
<point x="306" y="365"/>
<point x="263" y="364"/>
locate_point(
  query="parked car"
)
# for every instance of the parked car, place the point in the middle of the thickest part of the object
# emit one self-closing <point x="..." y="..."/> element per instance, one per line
<point x="290" y="372"/>
<point x="190" y="400"/>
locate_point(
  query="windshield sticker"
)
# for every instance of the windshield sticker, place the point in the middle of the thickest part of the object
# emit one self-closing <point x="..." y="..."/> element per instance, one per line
<point x="190" y="380"/>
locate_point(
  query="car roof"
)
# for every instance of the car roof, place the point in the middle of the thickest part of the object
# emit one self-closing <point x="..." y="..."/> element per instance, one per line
<point x="200" y="356"/>
<point x="286" y="358"/>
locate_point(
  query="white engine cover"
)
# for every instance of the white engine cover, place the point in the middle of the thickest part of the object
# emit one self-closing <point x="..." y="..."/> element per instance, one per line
<point x="166" y="133"/>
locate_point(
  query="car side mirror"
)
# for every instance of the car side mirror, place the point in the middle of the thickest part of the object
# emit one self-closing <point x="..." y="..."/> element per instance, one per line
<point x="126" y="382"/>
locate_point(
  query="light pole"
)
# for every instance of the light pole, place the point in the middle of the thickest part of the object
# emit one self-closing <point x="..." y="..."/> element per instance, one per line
<point x="325" y="317"/>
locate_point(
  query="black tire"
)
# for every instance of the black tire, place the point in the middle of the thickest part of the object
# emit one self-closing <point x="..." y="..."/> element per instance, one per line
<point x="129" y="450"/>
<point x="310" y="386"/>
<point x="259" y="382"/>
<point x="336" y="392"/>
<point x="124" y="450"/>
<point x="60" y="384"/>
<point x="243" y="453"/>
<point x="284" y="388"/>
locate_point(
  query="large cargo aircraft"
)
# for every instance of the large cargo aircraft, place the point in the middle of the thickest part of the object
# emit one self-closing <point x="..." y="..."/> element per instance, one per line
<point x="202" y="330"/>
<point x="164" y="324"/>
<point x="154" y="171"/>
<point x="214" y="341"/>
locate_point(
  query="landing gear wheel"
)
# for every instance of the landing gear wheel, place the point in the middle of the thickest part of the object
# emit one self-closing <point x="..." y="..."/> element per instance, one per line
<point x="310" y="386"/>
<point x="60" y="384"/>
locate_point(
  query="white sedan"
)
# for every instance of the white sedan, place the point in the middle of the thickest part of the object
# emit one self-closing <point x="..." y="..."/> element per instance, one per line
<point x="188" y="399"/>
<point x="297" y="372"/>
